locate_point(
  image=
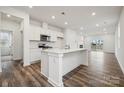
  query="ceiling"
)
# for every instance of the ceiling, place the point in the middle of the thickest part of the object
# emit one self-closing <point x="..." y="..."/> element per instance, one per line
<point x="77" y="16"/>
<point x="11" y="18"/>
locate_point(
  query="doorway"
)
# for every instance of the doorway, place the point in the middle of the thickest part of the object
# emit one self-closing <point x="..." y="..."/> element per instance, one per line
<point x="6" y="45"/>
<point x="97" y="45"/>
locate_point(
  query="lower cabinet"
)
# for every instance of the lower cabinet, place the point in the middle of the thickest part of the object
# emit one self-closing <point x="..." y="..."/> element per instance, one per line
<point x="54" y="68"/>
<point x="35" y="55"/>
<point x="44" y="64"/>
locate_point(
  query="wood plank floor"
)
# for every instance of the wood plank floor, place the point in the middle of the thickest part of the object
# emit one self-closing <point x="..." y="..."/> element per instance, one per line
<point x="103" y="71"/>
<point x="15" y="75"/>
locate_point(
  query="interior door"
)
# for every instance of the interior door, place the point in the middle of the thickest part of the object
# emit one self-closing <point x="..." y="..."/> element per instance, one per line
<point x="6" y="43"/>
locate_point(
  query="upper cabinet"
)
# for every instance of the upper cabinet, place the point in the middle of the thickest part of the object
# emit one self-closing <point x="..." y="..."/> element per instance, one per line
<point x="53" y="36"/>
<point x="60" y="34"/>
<point x="36" y="31"/>
<point x="44" y="31"/>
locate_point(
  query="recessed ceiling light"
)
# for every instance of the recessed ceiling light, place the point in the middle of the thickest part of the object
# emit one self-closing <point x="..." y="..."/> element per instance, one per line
<point x="97" y="25"/>
<point x="53" y="17"/>
<point x="81" y="28"/>
<point x="66" y="23"/>
<point x="93" y="14"/>
<point x="30" y="6"/>
<point x="8" y="15"/>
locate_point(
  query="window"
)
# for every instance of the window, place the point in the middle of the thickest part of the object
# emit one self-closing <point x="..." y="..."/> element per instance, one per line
<point x="5" y="39"/>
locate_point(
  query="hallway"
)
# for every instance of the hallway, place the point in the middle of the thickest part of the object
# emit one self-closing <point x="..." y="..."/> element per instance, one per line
<point x="103" y="70"/>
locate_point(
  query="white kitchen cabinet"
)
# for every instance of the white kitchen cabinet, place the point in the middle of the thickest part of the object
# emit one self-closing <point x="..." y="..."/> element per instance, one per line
<point x="53" y="38"/>
<point x="60" y="34"/>
<point x="34" y="32"/>
<point x="52" y="34"/>
<point x="43" y="31"/>
<point x="37" y="35"/>
<point x="44" y="64"/>
<point x="35" y="54"/>
<point x="53" y="69"/>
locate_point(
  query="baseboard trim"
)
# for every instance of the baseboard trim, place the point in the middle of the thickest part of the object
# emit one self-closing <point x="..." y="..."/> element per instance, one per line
<point x="44" y="75"/>
<point x="26" y="64"/>
<point x="119" y="64"/>
<point x="109" y="52"/>
<point x="54" y="84"/>
<point x="51" y="81"/>
<point x="102" y="51"/>
<point x="33" y="62"/>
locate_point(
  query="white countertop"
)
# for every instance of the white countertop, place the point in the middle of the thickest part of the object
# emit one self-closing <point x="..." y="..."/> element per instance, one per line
<point x="57" y="50"/>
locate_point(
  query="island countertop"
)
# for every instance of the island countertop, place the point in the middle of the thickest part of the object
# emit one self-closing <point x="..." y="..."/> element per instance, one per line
<point x="61" y="51"/>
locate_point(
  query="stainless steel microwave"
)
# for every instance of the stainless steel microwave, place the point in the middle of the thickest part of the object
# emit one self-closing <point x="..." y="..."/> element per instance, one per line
<point x="44" y="38"/>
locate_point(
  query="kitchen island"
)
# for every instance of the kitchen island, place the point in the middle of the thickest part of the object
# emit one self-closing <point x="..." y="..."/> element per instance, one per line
<point x="55" y="63"/>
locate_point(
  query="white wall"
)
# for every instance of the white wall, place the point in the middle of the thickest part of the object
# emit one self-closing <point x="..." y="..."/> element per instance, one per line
<point x="108" y="40"/>
<point x="9" y="25"/>
<point x="119" y="41"/>
<point x="72" y="38"/>
<point x="109" y="43"/>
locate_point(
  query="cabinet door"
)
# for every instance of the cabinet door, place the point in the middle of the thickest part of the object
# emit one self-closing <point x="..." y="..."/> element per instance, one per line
<point x="48" y="32"/>
<point x="45" y="32"/>
<point x="34" y="33"/>
<point x="44" y="65"/>
<point x="42" y="31"/>
<point x="60" y="34"/>
<point x="37" y="35"/>
<point x="55" y="70"/>
<point x="31" y="34"/>
<point x="53" y="37"/>
<point x="35" y="54"/>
